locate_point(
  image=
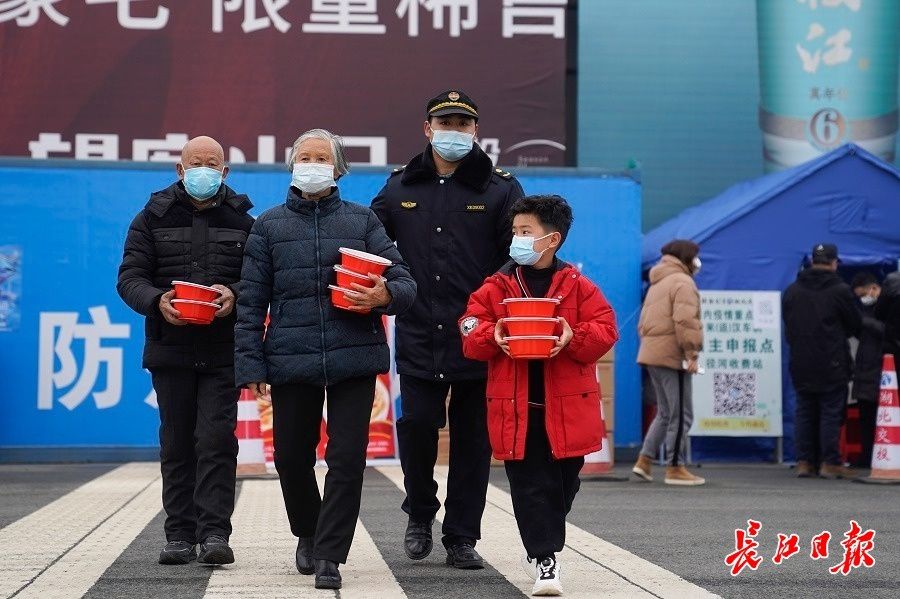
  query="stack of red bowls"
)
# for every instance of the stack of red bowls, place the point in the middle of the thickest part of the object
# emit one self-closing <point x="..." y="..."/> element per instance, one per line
<point x="195" y="302"/>
<point x="355" y="267"/>
<point x="532" y="326"/>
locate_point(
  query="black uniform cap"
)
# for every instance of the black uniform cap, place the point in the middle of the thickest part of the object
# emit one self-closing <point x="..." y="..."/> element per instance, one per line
<point x="451" y="102"/>
<point x="824" y="253"/>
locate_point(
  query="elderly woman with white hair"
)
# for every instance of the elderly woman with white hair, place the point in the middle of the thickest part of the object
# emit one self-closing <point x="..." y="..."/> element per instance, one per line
<point x="311" y="346"/>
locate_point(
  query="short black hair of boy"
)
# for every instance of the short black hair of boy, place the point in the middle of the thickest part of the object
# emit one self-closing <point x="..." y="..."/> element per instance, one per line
<point x="553" y="211"/>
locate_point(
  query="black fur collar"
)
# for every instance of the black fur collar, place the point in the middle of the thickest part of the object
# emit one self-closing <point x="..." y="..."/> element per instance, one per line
<point x="473" y="171"/>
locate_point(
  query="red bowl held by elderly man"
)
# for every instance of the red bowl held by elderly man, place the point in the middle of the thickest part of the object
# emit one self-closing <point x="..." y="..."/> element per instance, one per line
<point x="195" y="312"/>
<point x="346" y="277"/>
<point x="339" y="301"/>
<point x="192" y="291"/>
<point x="363" y="262"/>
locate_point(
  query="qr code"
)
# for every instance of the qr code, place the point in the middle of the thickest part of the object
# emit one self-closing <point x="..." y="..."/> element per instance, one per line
<point x="734" y="394"/>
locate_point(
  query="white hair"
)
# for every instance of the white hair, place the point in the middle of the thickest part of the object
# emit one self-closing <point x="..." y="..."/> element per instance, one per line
<point x="337" y="149"/>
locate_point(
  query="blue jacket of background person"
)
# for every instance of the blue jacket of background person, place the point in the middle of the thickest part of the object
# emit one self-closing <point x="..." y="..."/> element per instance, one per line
<point x="453" y="231"/>
<point x="288" y="263"/>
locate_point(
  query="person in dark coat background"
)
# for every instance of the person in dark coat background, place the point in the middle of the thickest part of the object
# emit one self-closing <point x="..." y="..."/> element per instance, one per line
<point x="868" y="363"/>
<point x="194" y="230"/>
<point x="311" y="346"/>
<point x="448" y="211"/>
<point x="820" y="315"/>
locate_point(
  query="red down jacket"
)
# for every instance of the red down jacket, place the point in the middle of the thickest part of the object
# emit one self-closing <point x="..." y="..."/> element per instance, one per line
<point x="572" y="395"/>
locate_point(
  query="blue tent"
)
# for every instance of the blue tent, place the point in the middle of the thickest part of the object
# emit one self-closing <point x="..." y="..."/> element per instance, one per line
<point x="757" y="235"/>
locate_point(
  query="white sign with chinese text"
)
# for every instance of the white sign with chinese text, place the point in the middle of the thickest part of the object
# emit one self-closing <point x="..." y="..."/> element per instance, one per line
<point x="740" y="393"/>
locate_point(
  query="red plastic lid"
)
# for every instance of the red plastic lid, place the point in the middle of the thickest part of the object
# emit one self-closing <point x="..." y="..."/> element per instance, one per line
<point x="195" y="285"/>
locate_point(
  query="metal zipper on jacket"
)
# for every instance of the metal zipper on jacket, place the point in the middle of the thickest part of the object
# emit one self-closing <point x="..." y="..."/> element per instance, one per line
<point x="319" y="293"/>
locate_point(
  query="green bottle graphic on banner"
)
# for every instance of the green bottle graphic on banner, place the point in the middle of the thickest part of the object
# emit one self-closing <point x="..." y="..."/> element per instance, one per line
<point x="828" y="76"/>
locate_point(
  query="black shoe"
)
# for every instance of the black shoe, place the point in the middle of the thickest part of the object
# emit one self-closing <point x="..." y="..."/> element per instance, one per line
<point x="327" y="575"/>
<point x="304" y="560"/>
<point x="464" y="557"/>
<point x="176" y="553"/>
<point x="418" y="543"/>
<point x="214" y="551"/>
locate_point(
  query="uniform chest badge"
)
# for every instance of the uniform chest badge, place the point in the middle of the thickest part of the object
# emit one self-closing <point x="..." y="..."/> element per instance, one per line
<point x="409" y="205"/>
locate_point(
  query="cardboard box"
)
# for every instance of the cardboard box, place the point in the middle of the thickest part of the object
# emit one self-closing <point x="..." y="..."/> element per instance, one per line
<point x="606" y="378"/>
<point x="609" y="357"/>
<point x="609" y="413"/>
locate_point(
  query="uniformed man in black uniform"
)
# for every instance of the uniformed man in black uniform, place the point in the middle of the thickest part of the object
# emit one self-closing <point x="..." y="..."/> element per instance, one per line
<point x="448" y="212"/>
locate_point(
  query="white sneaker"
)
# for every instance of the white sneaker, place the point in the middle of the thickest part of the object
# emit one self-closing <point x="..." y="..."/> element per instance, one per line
<point x="548" y="580"/>
<point x="529" y="564"/>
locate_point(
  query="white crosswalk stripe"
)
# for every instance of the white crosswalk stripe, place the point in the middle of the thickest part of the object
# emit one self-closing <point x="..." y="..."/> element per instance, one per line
<point x="264" y="551"/>
<point x="591" y="567"/>
<point x="54" y="541"/>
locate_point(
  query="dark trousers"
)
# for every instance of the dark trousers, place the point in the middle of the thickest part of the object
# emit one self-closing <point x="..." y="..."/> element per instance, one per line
<point x="296" y="420"/>
<point x="424" y="412"/>
<point x="868" y="412"/>
<point x="818" y="423"/>
<point x="542" y="490"/>
<point x="198" y="450"/>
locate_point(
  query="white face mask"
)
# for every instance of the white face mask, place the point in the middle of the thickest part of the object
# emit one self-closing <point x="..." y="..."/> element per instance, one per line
<point x="868" y="300"/>
<point x="313" y="177"/>
<point x="697" y="265"/>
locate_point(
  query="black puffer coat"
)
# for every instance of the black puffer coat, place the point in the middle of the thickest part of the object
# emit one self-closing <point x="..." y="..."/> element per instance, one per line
<point x="288" y="265"/>
<point x="820" y="314"/>
<point x="171" y="240"/>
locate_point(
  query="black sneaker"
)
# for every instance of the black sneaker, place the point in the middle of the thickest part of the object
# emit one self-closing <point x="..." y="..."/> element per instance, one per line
<point x="177" y="553"/>
<point x="464" y="557"/>
<point x="214" y="551"/>
<point x="418" y="544"/>
<point x="327" y="575"/>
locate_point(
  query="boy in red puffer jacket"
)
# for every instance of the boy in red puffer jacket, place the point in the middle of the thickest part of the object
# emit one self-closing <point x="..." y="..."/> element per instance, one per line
<point x="543" y="415"/>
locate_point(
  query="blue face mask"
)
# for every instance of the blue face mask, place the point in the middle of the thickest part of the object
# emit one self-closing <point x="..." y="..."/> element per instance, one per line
<point x="202" y="182"/>
<point x="522" y="250"/>
<point x="452" y="146"/>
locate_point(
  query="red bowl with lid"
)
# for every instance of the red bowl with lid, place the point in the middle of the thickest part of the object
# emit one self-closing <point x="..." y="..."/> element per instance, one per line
<point x="363" y="262"/>
<point x="518" y="326"/>
<point x="195" y="312"/>
<point x="192" y="291"/>
<point x="531" y="347"/>
<point x="339" y="301"/>
<point x="345" y="277"/>
<point x="531" y="307"/>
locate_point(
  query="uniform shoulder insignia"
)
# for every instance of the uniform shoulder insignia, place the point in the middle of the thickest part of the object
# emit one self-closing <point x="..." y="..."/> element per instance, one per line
<point x="502" y="173"/>
<point x="397" y="170"/>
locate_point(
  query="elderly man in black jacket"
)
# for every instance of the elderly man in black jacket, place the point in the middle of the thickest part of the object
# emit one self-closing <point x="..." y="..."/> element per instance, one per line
<point x="820" y="315"/>
<point x="312" y="347"/>
<point x="194" y="230"/>
<point x="448" y="210"/>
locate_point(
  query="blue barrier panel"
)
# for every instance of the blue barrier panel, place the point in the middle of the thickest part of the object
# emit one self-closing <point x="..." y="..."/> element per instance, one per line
<point x="70" y="349"/>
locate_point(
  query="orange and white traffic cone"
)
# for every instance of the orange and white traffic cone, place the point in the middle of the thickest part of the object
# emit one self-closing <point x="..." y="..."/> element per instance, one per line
<point x="251" y="460"/>
<point x="886" y="450"/>
<point x="601" y="461"/>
